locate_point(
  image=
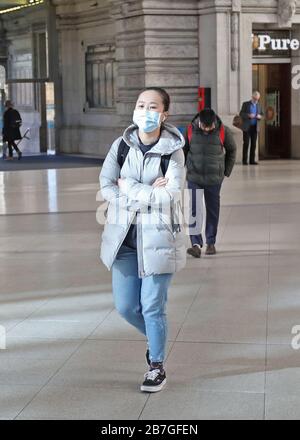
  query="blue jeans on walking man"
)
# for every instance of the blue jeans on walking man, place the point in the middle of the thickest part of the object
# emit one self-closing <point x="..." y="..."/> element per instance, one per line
<point x="212" y="204"/>
<point x="141" y="301"/>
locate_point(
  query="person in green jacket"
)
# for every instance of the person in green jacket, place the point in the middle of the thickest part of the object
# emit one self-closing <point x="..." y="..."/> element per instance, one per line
<point x="210" y="152"/>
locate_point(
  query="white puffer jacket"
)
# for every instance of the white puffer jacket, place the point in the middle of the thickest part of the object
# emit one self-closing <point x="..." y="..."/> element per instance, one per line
<point x="160" y="238"/>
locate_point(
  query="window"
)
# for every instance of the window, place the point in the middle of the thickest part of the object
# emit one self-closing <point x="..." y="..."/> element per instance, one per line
<point x="100" y="76"/>
<point x="21" y="93"/>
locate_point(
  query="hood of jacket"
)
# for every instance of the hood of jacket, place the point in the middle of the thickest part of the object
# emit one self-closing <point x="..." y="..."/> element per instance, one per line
<point x="170" y="139"/>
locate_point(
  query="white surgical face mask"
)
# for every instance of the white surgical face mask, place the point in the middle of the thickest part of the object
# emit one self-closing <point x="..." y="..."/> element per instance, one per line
<point x="148" y="120"/>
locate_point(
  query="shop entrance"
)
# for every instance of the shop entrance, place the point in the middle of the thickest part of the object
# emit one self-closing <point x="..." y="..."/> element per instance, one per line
<point x="274" y="83"/>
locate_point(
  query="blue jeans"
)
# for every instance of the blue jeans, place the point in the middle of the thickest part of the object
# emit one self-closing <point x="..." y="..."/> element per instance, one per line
<point x="212" y="204"/>
<point x="141" y="301"/>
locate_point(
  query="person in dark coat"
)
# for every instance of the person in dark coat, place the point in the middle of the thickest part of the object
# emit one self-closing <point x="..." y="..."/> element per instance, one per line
<point x="11" y="128"/>
<point x="210" y="155"/>
<point x="251" y="114"/>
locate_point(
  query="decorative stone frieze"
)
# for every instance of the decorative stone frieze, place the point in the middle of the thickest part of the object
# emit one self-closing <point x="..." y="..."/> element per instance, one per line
<point x="286" y="12"/>
<point x="234" y="41"/>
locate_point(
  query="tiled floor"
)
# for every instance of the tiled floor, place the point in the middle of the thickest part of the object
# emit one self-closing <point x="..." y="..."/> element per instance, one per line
<point x="70" y="356"/>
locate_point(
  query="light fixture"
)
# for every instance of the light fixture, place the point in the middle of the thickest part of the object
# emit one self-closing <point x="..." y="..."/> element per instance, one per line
<point x="29" y="3"/>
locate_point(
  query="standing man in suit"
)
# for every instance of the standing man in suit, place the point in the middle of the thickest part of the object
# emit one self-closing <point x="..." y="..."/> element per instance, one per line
<point x="251" y="114"/>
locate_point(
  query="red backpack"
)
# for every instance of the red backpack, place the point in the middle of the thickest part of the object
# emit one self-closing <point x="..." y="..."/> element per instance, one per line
<point x="221" y="134"/>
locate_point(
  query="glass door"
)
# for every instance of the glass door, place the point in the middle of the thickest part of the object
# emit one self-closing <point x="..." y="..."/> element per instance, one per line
<point x="274" y="83"/>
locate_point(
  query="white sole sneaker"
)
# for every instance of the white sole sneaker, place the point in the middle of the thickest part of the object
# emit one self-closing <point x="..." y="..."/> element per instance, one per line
<point x="153" y="389"/>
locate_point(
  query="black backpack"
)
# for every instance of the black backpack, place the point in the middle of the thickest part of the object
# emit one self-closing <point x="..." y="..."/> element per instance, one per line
<point x="15" y="119"/>
<point x="123" y="150"/>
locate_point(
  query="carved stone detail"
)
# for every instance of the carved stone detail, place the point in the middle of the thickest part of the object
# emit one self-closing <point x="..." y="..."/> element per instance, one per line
<point x="236" y="5"/>
<point x="234" y="41"/>
<point x="286" y="11"/>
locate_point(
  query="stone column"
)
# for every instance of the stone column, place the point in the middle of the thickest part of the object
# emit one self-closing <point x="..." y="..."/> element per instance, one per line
<point x="219" y="60"/>
<point x="207" y="54"/>
<point x="54" y="71"/>
<point x="246" y="58"/>
<point x="130" y="55"/>
<point x="222" y="60"/>
<point x="245" y="74"/>
<point x="69" y="133"/>
<point x="155" y="48"/>
<point x="3" y="45"/>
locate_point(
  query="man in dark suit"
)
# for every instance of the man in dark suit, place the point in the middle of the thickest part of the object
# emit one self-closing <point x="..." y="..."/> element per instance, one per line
<point x="251" y="114"/>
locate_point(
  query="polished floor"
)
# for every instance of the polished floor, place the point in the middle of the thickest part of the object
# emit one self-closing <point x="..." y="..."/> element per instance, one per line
<point x="48" y="161"/>
<point x="70" y="356"/>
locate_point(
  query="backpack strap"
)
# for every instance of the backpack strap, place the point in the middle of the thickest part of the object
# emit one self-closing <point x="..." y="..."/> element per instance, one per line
<point x="190" y="132"/>
<point x="123" y="150"/>
<point x="222" y="135"/>
<point x="164" y="163"/>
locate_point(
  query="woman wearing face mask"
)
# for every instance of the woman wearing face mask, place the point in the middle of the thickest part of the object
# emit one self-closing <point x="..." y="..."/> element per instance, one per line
<point x="142" y="240"/>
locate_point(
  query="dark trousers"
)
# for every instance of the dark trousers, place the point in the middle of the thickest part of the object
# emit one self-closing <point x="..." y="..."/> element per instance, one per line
<point x="212" y="204"/>
<point x="11" y="145"/>
<point x="250" y="135"/>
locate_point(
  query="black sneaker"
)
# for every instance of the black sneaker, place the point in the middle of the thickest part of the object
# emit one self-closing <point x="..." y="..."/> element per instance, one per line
<point x="154" y="381"/>
<point x="19" y="155"/>
<point x="195" y="251"/>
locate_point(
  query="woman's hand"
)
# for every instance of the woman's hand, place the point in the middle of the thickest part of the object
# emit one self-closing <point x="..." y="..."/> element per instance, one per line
<point x="160" y="181"/>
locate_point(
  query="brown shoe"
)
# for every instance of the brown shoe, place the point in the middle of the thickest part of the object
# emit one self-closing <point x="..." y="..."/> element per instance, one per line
<point x="210" y="249"/>
<point x="195" y="251"/>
